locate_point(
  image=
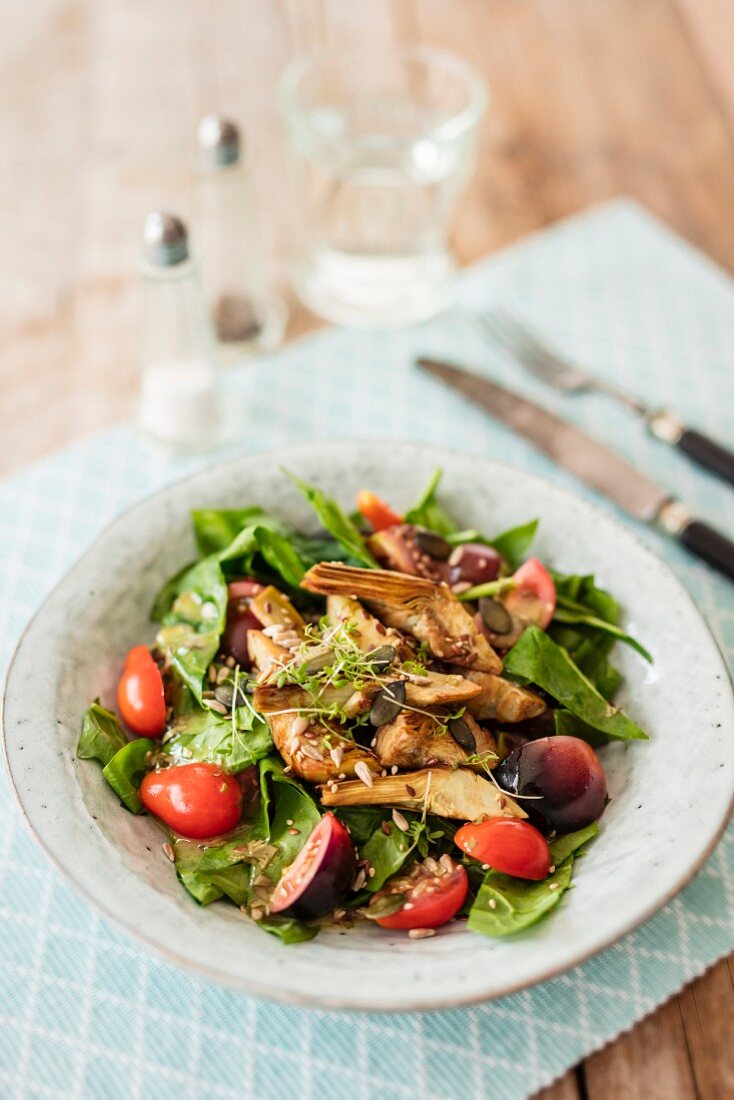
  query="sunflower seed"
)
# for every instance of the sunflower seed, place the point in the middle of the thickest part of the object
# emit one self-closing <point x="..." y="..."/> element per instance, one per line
<point x="359" y="879"/>
<point x="337" y="755"/>
<point x="400" y="821"/>
<point x="421" y="933"/>
<point x="311" y="752"/>
<point x="299" y="726"/>
<point x="215" y="705"/>
<point x="168" y="852"/>
<point x="363" y="772"/>
<point x="273" y="631"/>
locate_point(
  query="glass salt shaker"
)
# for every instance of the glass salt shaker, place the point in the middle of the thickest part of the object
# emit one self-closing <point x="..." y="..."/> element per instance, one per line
<point x="247" y="318"/>
<point x="179" y="402"/>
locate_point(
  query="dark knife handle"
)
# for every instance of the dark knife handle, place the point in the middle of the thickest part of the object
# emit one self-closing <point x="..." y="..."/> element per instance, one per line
<point x="706" y="452"/>
<point x="710" y="545"/>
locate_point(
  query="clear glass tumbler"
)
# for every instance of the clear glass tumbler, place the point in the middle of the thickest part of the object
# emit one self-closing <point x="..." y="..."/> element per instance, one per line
<point x="381" y="146"/>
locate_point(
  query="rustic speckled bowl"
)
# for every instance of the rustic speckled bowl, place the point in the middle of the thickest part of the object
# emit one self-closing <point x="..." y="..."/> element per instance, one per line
<point x="671" y="796"/>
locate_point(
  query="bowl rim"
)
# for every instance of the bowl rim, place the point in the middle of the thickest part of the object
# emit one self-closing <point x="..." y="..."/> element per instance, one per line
<point x="426" y="1002"/>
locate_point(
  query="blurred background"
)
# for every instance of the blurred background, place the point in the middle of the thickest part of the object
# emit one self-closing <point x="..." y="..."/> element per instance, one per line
<point x="98" y="111"/>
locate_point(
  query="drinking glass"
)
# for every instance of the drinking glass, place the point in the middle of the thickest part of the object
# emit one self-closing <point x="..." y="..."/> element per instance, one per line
<point x="380" y="146"/>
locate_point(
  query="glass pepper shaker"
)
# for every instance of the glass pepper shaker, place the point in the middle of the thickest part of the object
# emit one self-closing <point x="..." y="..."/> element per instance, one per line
<point x="179" y="402"/>
<point x="247" y="318"/>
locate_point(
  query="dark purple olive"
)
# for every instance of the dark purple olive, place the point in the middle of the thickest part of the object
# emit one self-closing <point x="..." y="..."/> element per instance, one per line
<point x="568" y="775"/>
<point x="321" y="874"/>
<point x="473" y="563"/>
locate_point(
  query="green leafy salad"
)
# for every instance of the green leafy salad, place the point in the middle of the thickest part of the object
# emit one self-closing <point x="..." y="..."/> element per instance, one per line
<point x="392" y="720"/>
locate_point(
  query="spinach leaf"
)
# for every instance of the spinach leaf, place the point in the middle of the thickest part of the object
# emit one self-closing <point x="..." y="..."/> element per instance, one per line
<point x="362" y="821"/>
<point x="589" y="653"/>
<point x="427" y="512"/>
<point x="192" y="627"/>
<point x="569" y="725"/>
<point x="281" y="555"/>
<point x="215" y="529"/>
<point x="287" y="929"/>
<point x="390" y="849"/>
<point x="336" y="522"/>
<point x="201" y="734"/>
<point x="518" y="903"/>
<point x="126" y="769"/>
<point x="568" y="611"/>
<point x="101" y="735"/>
<point x="572" y="844"/>
<point x="537" y="659"/>
<point x="167" y="594"/>
<point x="284" y="800"/>
<point x="515" y="543"/>
<point x="199" y="887"/>
<point x="582" y="589"/>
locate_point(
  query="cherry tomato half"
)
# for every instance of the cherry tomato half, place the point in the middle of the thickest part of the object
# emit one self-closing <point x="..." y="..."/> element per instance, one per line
<point x="508" y="845"/>
<point x="432" y="893"/>
<point x="377" y="513"/>
<point x="533" y="599"/>
<point x="140" y="695"/>
<point x="196" y="800"/>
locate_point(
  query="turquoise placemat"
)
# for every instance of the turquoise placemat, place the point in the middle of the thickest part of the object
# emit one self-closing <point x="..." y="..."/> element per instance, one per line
<point x="83" y="1011"/>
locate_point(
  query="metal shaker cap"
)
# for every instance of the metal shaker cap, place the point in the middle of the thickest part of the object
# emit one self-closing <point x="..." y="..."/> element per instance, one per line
<point x="165" y="240"/>
<point x="219" y="142"/>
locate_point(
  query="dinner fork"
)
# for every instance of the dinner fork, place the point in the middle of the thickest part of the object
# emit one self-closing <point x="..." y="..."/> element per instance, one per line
<point x="501" y="327"/>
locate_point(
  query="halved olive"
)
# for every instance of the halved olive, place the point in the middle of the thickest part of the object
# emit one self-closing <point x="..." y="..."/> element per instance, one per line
<point x="388" y="703"/>
<point x="462" y="735"/>
<point x="382" y="657"/>
<point x="432" y="544"/>
<point x="495" y="615"/>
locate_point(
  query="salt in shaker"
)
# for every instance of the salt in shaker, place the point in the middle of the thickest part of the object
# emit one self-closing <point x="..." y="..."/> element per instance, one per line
<point x="247" y="318"/>
<point x="179" y="402"/>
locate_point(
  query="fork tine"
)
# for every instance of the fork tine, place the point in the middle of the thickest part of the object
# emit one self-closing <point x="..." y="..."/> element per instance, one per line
<point x="501" y="326"/>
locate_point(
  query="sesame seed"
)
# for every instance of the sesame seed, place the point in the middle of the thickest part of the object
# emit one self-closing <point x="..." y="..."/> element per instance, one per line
<point x="492" y="903"/>
<point x="371" y="872"/>
<point x="485" y="866"/>
<point x="421" y="933"/>
<point x="295" y="832"/>
<point x="409" y="905"/>
<point x="554" y="886"/>
<point x="394" y="770"/>
<point x="289" y="821"/>
<point x="551" y="869"/>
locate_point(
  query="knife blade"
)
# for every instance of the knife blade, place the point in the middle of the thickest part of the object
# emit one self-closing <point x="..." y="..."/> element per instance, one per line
<point x="590" y="461"/>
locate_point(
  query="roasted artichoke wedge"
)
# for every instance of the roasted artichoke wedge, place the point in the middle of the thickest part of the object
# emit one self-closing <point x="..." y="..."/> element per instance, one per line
<point x="450" y="792"/>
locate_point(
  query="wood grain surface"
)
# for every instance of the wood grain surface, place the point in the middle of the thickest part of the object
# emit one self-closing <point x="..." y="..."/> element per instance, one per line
<point x="590" y="99"/>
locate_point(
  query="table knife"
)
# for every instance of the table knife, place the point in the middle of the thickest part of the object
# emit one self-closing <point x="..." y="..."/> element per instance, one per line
<point x="592" y="462"/>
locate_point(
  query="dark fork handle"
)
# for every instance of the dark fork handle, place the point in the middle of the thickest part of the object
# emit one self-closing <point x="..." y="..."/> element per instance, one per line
<point x="706" y="452"/>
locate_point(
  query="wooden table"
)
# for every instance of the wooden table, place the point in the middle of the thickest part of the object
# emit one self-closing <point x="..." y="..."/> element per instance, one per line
<point x="591" y="99"/>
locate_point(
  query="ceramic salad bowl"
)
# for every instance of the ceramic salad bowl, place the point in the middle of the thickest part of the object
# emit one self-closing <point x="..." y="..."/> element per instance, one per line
<point x="670" y="797"/>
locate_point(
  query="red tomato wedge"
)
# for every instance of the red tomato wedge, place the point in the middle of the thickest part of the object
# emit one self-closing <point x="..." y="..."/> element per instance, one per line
<point x="513" y="847"/>
<point x="377" y="513"/>
<point x="196" y="800"/>
<point x="533" y="599"/>
<point x="140" y="696"/>
<point x="430" y="895"/>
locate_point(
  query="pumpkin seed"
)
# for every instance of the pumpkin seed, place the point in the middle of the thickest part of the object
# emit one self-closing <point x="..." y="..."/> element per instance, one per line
<point x="462" y="734"/>
<point x="388" y="703"/>
<point x="382" y="657"/>
<point x="432" y="544"/>
<point x="495" y="615"/>
<point x="384" y="906"/>
<point x="224" y="693"/>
